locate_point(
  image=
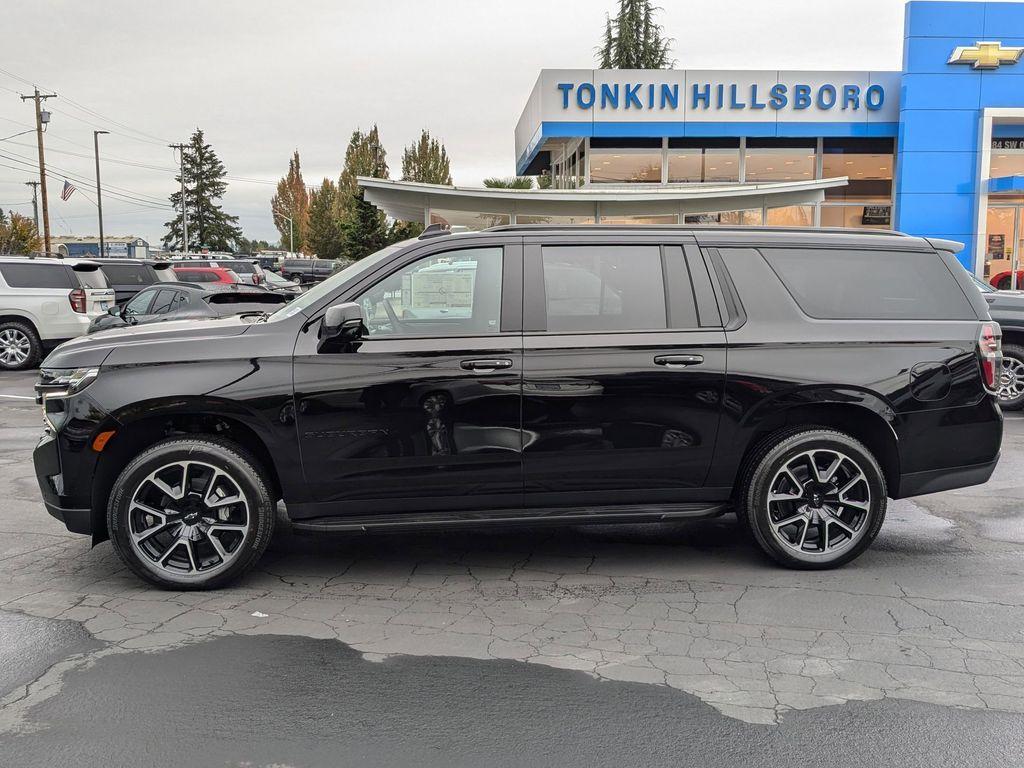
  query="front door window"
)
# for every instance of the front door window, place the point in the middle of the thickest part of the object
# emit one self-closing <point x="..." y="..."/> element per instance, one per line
<point x="455" y="293"/>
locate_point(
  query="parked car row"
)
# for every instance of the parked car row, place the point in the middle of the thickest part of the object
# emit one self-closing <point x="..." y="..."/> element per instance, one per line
<point x="46" y="301"/>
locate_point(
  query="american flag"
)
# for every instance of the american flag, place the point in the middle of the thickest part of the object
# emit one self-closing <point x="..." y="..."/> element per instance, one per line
<point x="69" y="188"/>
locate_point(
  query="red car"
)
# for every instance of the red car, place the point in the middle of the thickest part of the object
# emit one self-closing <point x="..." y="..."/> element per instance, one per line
<point x="206" y="275"/>
<point x="1001" y="280"/>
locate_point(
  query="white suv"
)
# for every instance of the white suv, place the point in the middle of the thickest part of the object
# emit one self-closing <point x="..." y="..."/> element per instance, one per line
<point x="44" y="302"/>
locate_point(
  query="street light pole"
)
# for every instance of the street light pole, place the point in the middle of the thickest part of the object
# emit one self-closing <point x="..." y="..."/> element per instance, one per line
<point x="99" y="198"/>
<point x="291" y="230"/>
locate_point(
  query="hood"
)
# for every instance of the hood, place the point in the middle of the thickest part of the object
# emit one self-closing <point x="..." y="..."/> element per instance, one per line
<point x="91" y="351"/>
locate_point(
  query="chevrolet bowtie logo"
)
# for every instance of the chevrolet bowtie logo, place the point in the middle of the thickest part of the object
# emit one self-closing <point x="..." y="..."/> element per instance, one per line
<point x="985" y="55"/>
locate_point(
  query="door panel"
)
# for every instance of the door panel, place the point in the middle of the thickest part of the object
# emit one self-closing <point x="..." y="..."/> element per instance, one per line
<point x="423" y="413"/>
<point x="622" y="394"/>
<point x="605" y="423"/>
<point x="401" y="424"/>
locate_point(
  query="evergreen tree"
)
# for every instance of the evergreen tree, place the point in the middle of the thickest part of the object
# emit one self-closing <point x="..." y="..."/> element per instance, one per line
<point x="208" y="224"/>
<point x="325" y="236"/>
<point x="292" y="200"/>
<point x="245" y="245"/>
<point x="366" y="228"/>
<point x="426" y="161"/>
<point x="632" y="40"/>
<point x="18" y="235"/>
<point x="510" y="182"/>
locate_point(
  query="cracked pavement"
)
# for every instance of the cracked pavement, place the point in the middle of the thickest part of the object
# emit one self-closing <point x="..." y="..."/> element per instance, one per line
<point x="932" y="614"/>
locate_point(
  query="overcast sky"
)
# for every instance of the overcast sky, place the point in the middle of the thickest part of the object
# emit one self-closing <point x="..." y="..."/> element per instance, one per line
<point x="264" y="78"/>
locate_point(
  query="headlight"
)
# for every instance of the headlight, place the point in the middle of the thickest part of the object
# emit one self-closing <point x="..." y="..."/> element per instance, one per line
<point x="58" y="383"/>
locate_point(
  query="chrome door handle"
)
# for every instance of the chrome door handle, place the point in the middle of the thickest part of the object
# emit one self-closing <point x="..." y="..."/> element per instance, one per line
<point x="486" y="365"/>
<point x="678" y="361"/>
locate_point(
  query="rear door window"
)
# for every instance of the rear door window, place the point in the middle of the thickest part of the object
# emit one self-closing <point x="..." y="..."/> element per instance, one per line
<point x="29" y="275"/>
<point x="832" y="284"/>
<point x="604" y="288"/>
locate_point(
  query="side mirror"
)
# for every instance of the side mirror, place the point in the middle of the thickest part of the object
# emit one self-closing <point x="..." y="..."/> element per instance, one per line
<point x="342" y="324"/>
<point x="114" y="311"/>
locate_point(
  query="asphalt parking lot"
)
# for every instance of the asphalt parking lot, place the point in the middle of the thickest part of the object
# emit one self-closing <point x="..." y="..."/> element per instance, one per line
<point x="663" y="644"/>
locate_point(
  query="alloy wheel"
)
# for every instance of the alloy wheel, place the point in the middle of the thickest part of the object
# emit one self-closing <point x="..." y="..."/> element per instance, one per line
<point x="188" y="519"/>
<point x="15" y="347"/>
<point x="1011" y="380"/>
<point x="818" y="503"/>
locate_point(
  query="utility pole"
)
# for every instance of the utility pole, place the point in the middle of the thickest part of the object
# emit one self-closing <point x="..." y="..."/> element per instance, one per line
<point x="184" y="214"/>
<point x="35" y="201"/>
<point x="99" y="199"/>
<point x="42" y="117"/>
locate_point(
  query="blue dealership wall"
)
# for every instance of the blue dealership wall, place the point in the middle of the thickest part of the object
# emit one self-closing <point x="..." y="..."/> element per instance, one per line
<point x="940" y="113"/>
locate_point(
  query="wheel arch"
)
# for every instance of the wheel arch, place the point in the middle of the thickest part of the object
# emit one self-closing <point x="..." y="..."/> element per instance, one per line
<point x="867" y="420"/>
<point x="141" y="427"/>
<point x="9" y="315"/>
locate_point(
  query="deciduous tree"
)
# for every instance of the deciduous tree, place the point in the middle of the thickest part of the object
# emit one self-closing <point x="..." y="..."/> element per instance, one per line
<point x="292" y="201"/>
<point x="18" y="234"/>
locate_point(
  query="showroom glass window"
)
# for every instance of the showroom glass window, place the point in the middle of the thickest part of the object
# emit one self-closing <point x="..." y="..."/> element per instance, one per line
<point x="866" y="200"/>
<point x="703" y="161"/>
<point x="769" y="159"/>
<point x="748" y="217"/>
<point x="454" y="293"/>
<point x="469" y="219"/>
<point x="625" y="161"/>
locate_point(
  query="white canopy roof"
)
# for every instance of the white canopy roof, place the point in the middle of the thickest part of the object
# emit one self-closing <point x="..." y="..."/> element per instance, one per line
<point x="413" y="201"/>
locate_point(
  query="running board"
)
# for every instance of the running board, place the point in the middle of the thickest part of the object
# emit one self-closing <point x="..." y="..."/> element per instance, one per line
<point x="633" y="513"/>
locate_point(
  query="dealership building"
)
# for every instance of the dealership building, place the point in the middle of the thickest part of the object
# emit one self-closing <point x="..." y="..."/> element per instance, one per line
<point x="935" y="149"/>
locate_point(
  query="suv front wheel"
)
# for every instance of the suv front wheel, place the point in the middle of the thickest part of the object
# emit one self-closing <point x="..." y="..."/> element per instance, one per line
<point x="191" y="513"/>
<point x="813" y="499"/>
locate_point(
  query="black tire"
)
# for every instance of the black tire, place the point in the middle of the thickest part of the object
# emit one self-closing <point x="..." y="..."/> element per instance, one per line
<point x="25" y="333"/>
<point x="765" y="466"/>
<point x="244" y="474"/>
<point x="1007" y="401"/>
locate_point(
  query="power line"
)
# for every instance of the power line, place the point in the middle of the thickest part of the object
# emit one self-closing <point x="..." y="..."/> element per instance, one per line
<point x="77" y="177"/>
<point x="122" y="197"/>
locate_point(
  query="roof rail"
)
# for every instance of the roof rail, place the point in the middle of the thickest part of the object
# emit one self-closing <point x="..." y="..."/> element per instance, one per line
<point x="435" y="230"/>
<point x="693" y="228"/>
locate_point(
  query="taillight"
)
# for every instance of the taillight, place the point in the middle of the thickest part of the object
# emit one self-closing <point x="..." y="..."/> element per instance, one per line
<point x="990" y="347"/>
<point x="77" y="299"/>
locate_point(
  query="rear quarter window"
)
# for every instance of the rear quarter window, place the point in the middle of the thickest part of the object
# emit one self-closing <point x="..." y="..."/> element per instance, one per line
<point x="91" y="278"/>
<point x="29" y="275"/>
<point x="834" y="284"/>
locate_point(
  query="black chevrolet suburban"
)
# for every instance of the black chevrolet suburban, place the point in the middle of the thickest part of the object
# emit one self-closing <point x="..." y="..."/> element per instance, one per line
<point x="531" y="374"/>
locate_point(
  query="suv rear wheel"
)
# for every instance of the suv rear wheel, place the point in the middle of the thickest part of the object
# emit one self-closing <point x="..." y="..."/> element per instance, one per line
<point x="813" y="499"/>
<point x="20" y="347"/>
<point x="1011" y="379"/>
<point x="191" y="513"/>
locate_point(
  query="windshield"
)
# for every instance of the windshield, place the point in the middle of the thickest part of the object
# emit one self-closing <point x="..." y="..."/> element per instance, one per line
<point x="319" y="291"/>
